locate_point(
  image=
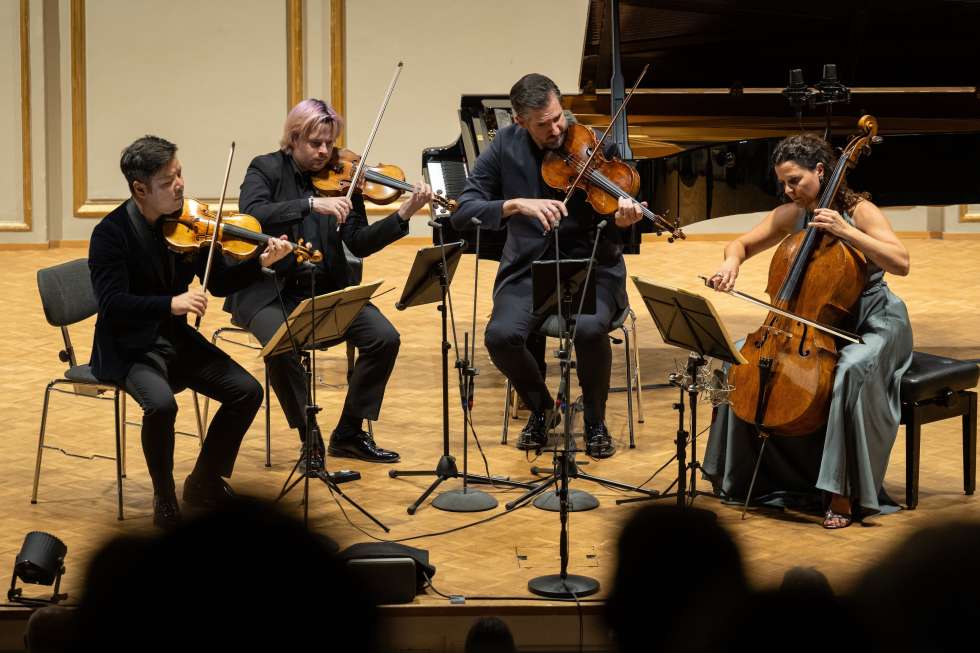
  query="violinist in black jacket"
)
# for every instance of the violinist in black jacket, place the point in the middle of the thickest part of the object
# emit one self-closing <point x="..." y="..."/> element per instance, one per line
<point x="505" y="191"/>
<point x="279" y="192"/>
<point x="142" y="339"/>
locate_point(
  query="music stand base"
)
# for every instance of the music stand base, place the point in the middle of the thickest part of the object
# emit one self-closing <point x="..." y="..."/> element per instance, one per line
<point x="578" y="501"/>
<point x="572" y="586"/>
<point x="464" y="500"/>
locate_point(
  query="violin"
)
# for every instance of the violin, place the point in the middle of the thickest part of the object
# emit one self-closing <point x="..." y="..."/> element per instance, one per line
<point x="240" y="235"/>
<point x="815" y="279"/>
<point x="382" y="184"/>
<point x="604" y="181"/>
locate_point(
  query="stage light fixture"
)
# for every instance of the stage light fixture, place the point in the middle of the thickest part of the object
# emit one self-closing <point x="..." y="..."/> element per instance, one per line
<point x="41" y="561"/>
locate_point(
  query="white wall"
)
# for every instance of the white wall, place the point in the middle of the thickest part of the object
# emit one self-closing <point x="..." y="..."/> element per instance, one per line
<point x="144" y="74"/>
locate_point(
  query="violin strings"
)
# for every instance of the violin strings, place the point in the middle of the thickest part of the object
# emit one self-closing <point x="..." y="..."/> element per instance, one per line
<point x="371" y="175"/>
<point x="607" y="185"/>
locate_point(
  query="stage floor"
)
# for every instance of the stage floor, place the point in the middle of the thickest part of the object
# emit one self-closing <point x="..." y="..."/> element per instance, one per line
<point x="77" y="497"/>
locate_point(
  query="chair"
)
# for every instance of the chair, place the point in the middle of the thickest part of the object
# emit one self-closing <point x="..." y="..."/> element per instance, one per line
<point x="936" y="388"/>
<point x="552" y="329"/>
<point x="68" y="298"/>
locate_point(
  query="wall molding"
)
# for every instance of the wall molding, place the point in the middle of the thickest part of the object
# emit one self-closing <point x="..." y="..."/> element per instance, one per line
<point x="338" y="63"/>
<point x="89" y="207"/>
<point x="25" y="122"/>
<point x="966" y="216"/>
<point x="294" y="53"/>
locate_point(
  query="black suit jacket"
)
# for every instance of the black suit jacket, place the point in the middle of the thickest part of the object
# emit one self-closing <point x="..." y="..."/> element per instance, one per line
<point x="509" y="169"/>
<point x="134" y="283"/>
<point x="272" y="193"/>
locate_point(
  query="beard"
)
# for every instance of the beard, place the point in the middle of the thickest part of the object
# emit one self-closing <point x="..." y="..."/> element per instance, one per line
<point x="557" y="142"/>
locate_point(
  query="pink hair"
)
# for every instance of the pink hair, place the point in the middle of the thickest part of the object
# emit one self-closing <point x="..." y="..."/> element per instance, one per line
<point x="306" y="117"/>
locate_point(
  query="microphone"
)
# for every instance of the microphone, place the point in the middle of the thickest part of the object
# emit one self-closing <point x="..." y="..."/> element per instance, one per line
<point x="830" y="89"/>
<point x="796" y="93"/>
<point x="434" y="224"/>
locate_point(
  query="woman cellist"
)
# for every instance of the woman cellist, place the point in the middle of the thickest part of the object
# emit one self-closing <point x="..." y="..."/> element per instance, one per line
<point x="847" y="460"/>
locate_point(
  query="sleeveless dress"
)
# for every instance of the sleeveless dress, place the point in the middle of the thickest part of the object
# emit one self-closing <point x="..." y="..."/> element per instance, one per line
<point x="850" y="455"/>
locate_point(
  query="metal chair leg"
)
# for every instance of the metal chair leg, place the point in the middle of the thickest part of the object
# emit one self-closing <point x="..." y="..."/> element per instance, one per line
<point x="629" y="387"/>
<point x="199" y="418"/>
<point x="637" y="380"/>
<point x="122" y="428"/>
<point x="268" y="420"/>
<point x="40" y="440"/>
<point x="507" y="402"/>
<point x="119" y="471"/>
<point x="970" y="444"/>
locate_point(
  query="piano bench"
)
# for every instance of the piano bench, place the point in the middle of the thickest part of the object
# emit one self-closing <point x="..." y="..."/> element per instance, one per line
<point x="936" y="388"/>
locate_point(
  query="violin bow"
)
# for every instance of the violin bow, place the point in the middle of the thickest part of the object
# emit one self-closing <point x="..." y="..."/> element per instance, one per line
<point x="217" y="230"/>
<point x="374" y="131"/>
<point x="598" y="147"/>
<point x="834" y="331"/>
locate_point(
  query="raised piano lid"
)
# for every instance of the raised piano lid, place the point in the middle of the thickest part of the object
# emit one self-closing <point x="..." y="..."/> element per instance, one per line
<point x="718" y="67"/>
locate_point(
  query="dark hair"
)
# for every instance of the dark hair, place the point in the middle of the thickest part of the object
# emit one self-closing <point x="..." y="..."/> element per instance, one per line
<point x="806" y="151"/>
<point x="532" y="91"/>
<point x="489" y="634"/>
<point x="144" y="157"/>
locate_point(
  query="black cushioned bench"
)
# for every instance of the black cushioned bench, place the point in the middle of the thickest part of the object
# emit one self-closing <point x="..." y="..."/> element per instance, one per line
<point x="936" y="388"/>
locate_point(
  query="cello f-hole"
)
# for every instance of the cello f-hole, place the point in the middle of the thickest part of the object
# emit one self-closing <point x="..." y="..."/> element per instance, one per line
<point x="804" y="352"/>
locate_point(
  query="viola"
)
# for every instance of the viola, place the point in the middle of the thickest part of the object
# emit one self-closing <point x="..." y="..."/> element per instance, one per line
<point x="604" y="180"/>
<point x="240" y="235"/>
<point x="815" y="279"/>
<point x="382" y="184"/>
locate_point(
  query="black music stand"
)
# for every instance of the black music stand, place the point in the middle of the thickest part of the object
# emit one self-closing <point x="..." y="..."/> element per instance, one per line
<point x="314" y="323"/>
<point x="688" y="321"/>
<point x="428" y="282"/>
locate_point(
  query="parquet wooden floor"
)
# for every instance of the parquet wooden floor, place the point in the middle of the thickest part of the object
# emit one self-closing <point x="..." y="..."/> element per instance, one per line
<point x="77" y="497"/>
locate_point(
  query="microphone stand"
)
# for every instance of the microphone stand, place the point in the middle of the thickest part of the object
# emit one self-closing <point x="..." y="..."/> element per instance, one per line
<point x="563" y="584"/>
<point x="466" y="499"/>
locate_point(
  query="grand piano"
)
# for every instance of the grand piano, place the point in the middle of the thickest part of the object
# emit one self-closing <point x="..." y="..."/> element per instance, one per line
<point x="720" y="95"/>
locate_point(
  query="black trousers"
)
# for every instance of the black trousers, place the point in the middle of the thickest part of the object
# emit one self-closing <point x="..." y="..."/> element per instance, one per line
<point x="208" y="371"/>
<point x="518" y="352"/>
<point x="377" y="343"/>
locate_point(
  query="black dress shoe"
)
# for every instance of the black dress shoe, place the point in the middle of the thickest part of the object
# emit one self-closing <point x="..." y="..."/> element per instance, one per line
<point x="316" y="461"/>
<point x="207" y="492"/>
<point x="360" y="446"/>
<point x="534" y="435"/>
<point x="598" y="442"/>
<point x="166" y="512"/>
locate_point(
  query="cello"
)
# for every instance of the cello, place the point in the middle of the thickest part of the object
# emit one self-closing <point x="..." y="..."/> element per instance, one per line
<point x="815" y="279"/>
